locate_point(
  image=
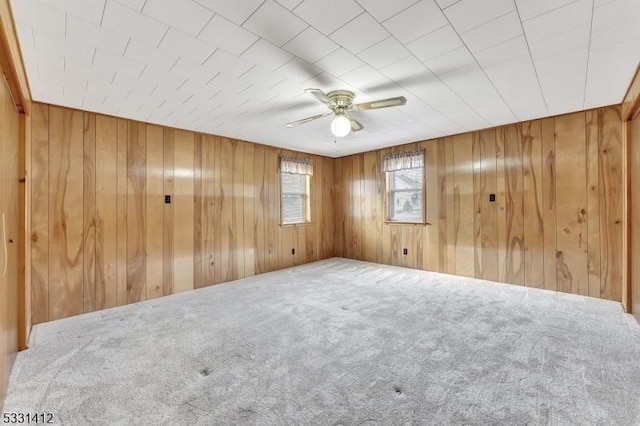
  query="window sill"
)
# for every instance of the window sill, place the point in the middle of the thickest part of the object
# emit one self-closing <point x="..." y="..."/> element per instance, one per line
<point x="285" y="225"/>
<point x="393" y="222"/>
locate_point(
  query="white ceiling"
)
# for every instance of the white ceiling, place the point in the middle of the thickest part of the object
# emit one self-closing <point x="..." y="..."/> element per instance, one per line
<point x="238" y="68"/>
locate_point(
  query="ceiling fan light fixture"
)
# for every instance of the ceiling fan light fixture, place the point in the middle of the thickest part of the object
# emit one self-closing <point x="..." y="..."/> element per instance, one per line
<point x="340" y="126"/>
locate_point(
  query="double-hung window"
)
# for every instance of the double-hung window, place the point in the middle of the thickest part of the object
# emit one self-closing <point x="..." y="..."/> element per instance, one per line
<point x="405" y="186"/>
<point x="295" y="190"/>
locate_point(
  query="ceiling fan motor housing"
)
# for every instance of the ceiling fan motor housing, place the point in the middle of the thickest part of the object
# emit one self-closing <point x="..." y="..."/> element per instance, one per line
<point x="343" y="100"/>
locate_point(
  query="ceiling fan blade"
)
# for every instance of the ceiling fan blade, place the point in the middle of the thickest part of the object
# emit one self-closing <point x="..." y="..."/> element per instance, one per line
<point x="321" y="96"/>
<point x="308" y="119"/>
<point x="382" y="103"/>
<point x="356" y="126"/>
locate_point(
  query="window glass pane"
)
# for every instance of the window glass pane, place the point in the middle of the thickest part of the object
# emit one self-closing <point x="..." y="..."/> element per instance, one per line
<point x="405" y="195"/>
<point x="294" y="197"/>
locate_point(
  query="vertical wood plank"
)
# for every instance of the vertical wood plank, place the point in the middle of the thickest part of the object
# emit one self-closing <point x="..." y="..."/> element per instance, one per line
<point x="501" y="203"/>
<point x="183" y="211"/>
<point x="272" y="214"/>
<point x="66" y="215"/>
<point x="136" y="212"/>
<point x="209" y="211"/>
<point x="463" y="205"/>
<point x="610" y="178"/>
<point x="489" y="216"/>
<point x="427" y="238"/>
<point x="121" y="245"/>
<point x="197" y="212"/>
<point x="168" y="178"/>
<point x="571" y="203"/>
<point x="328" y="200"/>
<point x="549" y="203"/>
<point x="248" y="253"/>
<point x="592" y="122"/>
<point x="89" y="213"/>
<point x="260" y="204"/>
<point x="341" y="208"/>
<point x="478" y="192"/>
<point x="154" y="218"/>
<point x="372" y="214"/>
<point x="442" y="206"/>
<point x="533" y="227"/>
<point x="40" y="214"/>
<point x="106" y="211"/>
<point x="451" y="205"/>
<point x="514" y="204"/>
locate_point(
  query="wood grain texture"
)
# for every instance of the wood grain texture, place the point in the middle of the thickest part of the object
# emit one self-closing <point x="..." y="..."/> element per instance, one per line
<point x="571" y="203"/>
<point x="106" y="211"/>
<point x="592" y="119"/>
<point x="532" y="197"/>
<point x="183" y="224"/>
<point x="610" y="180"/>
<point x="631" y="100"/>
<point x="10" y="141"/>
<point x="524" y="237"/>
<point x="136" y="212"/>
<point x="634" y="243"/>
<point x="549" y="203"/>
<point x="121" y="186"/>
<point x="197" y="211"/>
<point x="40" y="214"/>
<point x="168" y="211"/>
<point x="154" y="218"/>
<point x="514" y="261"/>
<point x="66" y="212"/>
<point x="89" y="213"/>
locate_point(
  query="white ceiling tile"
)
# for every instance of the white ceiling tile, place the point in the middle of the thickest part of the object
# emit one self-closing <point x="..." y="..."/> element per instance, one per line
<point x="450" y="61"/>
<point x="611" y="14"/>
<point x="126" y="21"/>
<point x="226" y="63"/>
<point x="328" y="15"/>
<point x="557" y="43"/>
<point x="446" y="3"/>
<point x="468" y="14"/>
<point x="298" y="70"/>
<point x="502" y="52"/>
<point x="26" y="36"/>
<point x="531" y="8"/>
<point x="150" y="56"/>
<point x="262" y="23"/>
<point x="133" y="4"/>
<point x="416" y="21"/>
<point x="435" y="43"/>
<point x="234" y="10"/>
<point x="359" y="34"/>
<point x="493" y="32"/>
<point x="384" y="53"/>
<point x="558" y="21"/>
<point x="364" y="77"/>
<point x="339" y="62"/>
<point x="178" y="43"/>
<point x="289" y="4"/>
<point x="45" y="41"/>
<point x="385" y="9"/>
<point x="311" y="45"/>
<point x="185" y="15"/>
<point x="517" y="83"/>
<point x="623" y="31"/>
<point x="39" y="16"/>
<point x="562" y="78"/>
<point x="227" y="35"/>
<point x="90" y="71"/>
<point x="261" y="77"/>
<point x="86" y="33"/>
<point x="89" y="10"/>
<point x="267" y="55"/>
<point x="118" y="64"/>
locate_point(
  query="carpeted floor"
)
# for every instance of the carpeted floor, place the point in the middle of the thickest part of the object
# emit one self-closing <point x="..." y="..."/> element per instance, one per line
<point x="339" y="342"/>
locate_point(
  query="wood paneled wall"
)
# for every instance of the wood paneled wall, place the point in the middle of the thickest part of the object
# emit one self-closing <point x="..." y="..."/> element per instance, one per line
<point x="9" y="234"/>
<point x="556" y="222"/>
<point x="102" y="235"/>
<point x="634" y="258"/>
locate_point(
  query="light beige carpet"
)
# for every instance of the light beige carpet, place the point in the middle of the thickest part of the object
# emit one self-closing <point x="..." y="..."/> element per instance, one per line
<point x="339" y="342"/>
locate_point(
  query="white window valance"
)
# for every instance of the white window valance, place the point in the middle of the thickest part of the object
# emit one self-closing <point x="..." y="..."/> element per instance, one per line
<point x="300" y="166"/>
<point x="402" y="160"/>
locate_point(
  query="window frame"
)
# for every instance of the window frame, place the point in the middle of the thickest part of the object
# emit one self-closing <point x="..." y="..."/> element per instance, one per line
<point x="389" y="198"/>
<point x="307" y="200"/>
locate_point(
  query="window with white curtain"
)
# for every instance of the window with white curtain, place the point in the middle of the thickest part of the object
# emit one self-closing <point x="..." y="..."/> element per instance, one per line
<point x="295" y="189"/>
<point x="405" y="186"/>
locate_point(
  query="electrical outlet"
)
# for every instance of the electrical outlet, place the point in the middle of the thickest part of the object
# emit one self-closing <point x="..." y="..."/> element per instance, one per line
<point x="405" y="251"/>
<point x="293" y="251"/>
<point x="492" y="198"/>
<point x="167" y="199"/>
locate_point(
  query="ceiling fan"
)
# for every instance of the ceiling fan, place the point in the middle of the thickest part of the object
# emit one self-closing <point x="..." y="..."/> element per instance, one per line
<point x="340" y="102"/>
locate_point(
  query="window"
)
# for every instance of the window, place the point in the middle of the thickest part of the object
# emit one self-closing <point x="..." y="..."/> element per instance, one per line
<point x="405" y="186"/>
<point x="295" y="190"/>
